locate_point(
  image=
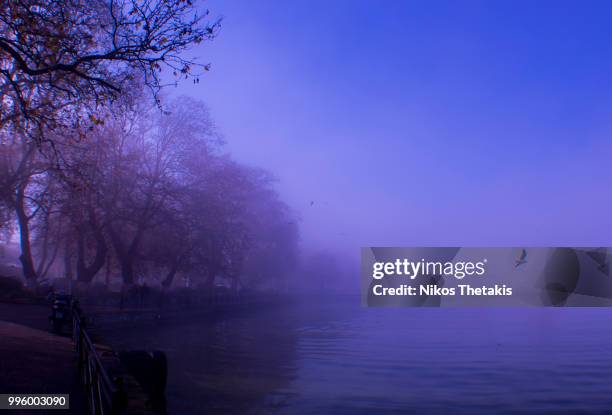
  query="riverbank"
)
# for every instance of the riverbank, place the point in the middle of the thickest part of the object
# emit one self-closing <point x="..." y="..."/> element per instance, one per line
<point x="33" y="360"/>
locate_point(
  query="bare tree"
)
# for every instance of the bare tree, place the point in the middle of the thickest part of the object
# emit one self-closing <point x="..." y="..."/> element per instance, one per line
<point x="145" y="171"/>
<point x="25" y="192"/>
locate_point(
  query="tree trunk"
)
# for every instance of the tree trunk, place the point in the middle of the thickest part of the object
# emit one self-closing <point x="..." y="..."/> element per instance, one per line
<point x="27" y="263"/>
<point x="46" y="263"/>
<point x="127" y="269"/>
<point x="86" y="273"/>
<point x="107" y="277"/>
<point x="210" y="281"/>
<point x="235" y="284"/>
<point x="68" y="261"/>
<point x="167" y="282"/>
<point x="125" y="255"/>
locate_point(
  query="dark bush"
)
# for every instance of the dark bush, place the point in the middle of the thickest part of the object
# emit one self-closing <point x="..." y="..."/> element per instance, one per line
<point x="11" y="288"/>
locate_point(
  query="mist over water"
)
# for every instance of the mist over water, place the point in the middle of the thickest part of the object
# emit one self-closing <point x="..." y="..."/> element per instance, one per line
<point x="336" y="357"/>
<point x="418" y="124"/>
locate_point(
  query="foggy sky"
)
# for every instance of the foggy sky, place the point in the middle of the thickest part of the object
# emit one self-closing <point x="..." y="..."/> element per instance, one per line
<point x="422" y="123"/>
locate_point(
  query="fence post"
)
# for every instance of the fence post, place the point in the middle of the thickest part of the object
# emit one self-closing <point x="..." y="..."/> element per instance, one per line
<point x="119" y="397"/>
<point x="103" y="393"/>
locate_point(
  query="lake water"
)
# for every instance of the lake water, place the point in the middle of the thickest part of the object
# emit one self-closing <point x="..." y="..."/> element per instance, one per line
<point x="339" y="358"/>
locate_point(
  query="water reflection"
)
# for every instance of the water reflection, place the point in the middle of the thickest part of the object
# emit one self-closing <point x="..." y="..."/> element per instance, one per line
<point x="339" y="358"/>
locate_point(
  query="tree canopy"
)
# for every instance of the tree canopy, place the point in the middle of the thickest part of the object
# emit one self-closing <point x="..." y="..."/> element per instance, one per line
<point x="60" y="60"/>
<point x="147" y="196"/>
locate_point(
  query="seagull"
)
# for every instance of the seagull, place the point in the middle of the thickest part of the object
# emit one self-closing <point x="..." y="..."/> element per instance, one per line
<point x="605" y="268"/>
<point x="601" y="259"/>
<point x="522" y="259"/>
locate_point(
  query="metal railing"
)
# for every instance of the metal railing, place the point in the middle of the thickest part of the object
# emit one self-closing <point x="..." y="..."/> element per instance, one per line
<point x="105" y="395"/>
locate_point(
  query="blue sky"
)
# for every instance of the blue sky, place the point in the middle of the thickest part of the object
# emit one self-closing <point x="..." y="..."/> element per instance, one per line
<point x="422" y="123"/>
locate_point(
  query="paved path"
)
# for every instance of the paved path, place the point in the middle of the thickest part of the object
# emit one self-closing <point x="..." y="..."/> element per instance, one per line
<point x="36" y="361"/>
<point x="31" y="315"/>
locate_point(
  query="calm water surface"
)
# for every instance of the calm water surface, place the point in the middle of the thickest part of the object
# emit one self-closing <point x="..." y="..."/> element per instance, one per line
<point x="343" y="359"/>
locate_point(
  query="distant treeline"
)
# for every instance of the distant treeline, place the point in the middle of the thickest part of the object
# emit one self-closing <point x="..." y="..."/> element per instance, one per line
<point x="143" y="195"/>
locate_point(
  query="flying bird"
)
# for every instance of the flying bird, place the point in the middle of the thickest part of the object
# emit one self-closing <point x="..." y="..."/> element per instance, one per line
<point x="605" y="268"/>
<point x="600" y="256"/>
<point x="522" y="259"/>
